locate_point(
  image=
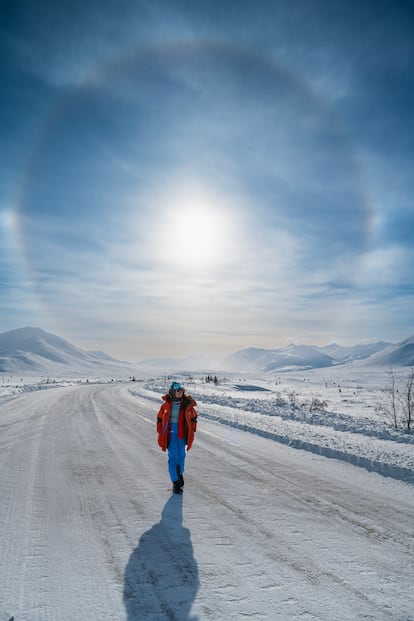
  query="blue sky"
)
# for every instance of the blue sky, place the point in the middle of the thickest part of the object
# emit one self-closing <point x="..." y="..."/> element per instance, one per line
<point x="183" y="177"/>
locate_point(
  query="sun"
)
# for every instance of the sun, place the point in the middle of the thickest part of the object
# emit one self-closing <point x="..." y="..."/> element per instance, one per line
<point x="195" y="233"/>
<point x="195" y="237"/>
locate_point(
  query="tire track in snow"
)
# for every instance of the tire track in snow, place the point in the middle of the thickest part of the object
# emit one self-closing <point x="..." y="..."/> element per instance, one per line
<point x="19" y="500"/>
<point x="274" y="536"/>
<point x="302" y="499"/>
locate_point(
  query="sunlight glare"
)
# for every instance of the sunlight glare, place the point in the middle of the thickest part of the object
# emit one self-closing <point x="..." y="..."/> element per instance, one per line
<point x="197" y="233"/>
<point x="194" y="237"/>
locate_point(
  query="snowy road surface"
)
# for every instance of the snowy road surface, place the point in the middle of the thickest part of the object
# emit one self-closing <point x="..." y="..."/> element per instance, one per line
<point x="90" y="530"/>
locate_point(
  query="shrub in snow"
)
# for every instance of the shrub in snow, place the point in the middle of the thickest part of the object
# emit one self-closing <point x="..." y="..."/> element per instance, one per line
<point x="398" y="404"/>
<point x="317" y="405"/>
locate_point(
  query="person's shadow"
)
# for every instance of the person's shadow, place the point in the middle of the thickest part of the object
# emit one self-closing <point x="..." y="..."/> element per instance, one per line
<point x="161" y="577"/>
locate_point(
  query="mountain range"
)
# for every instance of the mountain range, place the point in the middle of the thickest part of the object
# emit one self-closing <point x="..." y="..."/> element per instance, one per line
<point x="34" y="351"/>
<point x="301" y="357"/>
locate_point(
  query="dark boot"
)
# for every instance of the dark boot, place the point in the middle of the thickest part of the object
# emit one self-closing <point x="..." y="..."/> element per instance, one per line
<point x="180" y="476"/>
<point x="177" y="489"/>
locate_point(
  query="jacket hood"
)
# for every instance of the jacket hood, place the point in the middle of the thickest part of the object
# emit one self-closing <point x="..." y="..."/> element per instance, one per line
<point x="188" y="399"/>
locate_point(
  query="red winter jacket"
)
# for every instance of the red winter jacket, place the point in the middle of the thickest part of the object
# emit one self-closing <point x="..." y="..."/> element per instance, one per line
<point x="187" y="421"/>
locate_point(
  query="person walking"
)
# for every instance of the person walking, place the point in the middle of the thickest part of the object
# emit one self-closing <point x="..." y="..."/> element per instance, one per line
<point x="176" y="426"/>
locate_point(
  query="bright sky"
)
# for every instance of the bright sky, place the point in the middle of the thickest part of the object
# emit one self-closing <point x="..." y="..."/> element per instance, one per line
<point x="183" y="177"/>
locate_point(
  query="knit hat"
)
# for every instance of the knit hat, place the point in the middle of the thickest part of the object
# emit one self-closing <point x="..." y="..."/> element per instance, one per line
<point x="176" y="386"/>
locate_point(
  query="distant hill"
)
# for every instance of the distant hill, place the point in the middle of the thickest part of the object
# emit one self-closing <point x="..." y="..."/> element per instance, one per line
<point x="351" y="353"/>
<point x="301" y="357"/>
<point x="32" y="350"/>
<point x="401" y="354"/>
<point x="253" y="360"/>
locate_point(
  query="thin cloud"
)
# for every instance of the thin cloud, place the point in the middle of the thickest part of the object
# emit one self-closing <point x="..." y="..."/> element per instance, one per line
<point x="208" y="175"/>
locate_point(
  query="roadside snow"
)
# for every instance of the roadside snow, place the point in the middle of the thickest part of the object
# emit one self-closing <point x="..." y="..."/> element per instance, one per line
<point x="349" y="429"/>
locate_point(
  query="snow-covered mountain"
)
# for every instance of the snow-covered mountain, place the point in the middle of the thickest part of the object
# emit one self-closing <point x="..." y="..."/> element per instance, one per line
<point x="381" y="353"/>
<point x="342" y="354"/>
<point x="401" y="354"/>
<point x="32" y="350"/>
<point x="253" y="360"/>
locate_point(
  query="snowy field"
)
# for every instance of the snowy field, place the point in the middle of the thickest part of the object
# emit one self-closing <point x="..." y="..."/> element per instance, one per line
<point x="349" y="427"/>
<point x="286" y="512"/>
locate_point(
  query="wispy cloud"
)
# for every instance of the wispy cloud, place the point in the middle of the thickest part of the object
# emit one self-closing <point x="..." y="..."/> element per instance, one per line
<point x="205" y="175"/>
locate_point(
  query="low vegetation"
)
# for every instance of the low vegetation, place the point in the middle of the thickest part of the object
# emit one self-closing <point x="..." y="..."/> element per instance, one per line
<point x="398" y="404"/>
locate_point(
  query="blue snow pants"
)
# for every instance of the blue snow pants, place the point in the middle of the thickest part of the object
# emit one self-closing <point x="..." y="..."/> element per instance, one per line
<point x="176" y="453"/>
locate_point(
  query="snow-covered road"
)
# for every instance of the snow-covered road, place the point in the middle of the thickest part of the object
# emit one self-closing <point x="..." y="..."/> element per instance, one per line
<point x="89" y="528"/>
